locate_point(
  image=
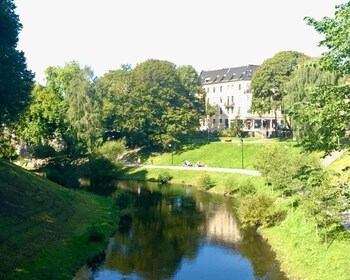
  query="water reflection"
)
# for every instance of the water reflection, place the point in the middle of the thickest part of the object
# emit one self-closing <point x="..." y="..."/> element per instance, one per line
<point x="178" y="233"/>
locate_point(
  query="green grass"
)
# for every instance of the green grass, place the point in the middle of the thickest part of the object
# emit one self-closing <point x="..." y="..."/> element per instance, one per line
<point x="190" y="177"/>
<point x="304" y="257"/>
<point x="44" y="227"/>
<point x="216" y="154"/>
<point x="342" y="166"/>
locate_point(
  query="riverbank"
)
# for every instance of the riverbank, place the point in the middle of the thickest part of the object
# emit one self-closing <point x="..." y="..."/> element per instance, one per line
<point x="47" y="231"/>
<point x="302" y="255"/>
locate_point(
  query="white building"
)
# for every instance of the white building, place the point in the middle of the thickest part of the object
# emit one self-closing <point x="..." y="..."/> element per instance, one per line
<point x="228" y="90"/>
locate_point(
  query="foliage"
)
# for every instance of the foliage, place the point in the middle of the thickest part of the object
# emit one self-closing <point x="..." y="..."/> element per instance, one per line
<point x="328" y="114"/>
<point x="236" y="127"/>
<point x="43" y="119"/>
<point x="323" y="202"/>
<point x="336" y="39"/>
<point x="111" y="150"/>
<point x="304" y="79"/>
<point x="164" y="177"/>
<point x="205" y="181"/>
<point x="95" y="234"/>
<point x="246" y="187"/>
<point x="44" y="151"/>
<point x="123" y="199"/>
<point x="7" y="150"/>
<point x="278" y="164"/>
<point x="255" y="210"/>
<point x="153" y="104"/>
<point x="269" y="80"/>
<point x="15" y="79"/>
<point x="325" y="116"/>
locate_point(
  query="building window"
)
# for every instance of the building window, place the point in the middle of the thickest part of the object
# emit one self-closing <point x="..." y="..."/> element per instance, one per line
<point x="220" y="88"/>
<point x="208" y="89"/>
<point x="214" y="121"/>
<point x="220" y="120"/>
<point x="220" y="111"/>
<point x="220" y="99"/>
<point x="232" y="100"/>
<point x="239" y="87"/>
<point x="214" y="89"/>
<point x="228" y="100"/>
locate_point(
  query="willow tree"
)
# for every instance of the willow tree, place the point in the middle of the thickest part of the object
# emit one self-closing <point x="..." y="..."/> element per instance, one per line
<point x="268" y="82"/>
<point x="326" y="110"/>
<point x="304" y="79"/>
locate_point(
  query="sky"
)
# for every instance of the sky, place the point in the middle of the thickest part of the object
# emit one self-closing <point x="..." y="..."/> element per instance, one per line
<point x="209" y="35"/>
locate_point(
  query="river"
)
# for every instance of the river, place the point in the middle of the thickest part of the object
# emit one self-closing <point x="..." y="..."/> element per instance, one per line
<point x="176" y="232"/>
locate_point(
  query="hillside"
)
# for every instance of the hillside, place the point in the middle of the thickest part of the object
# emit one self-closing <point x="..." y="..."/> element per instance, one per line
<point x="44" y="228"/>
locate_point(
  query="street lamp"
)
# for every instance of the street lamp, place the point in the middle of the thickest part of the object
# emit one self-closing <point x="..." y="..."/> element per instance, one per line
<point x="241" y="139"/>
<point x="172" y="156"/>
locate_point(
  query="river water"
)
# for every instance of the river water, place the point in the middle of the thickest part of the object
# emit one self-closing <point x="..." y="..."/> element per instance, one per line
<point x="176" y="232"/>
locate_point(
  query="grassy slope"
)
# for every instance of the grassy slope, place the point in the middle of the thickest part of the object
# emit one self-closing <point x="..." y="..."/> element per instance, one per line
<point x="302" y="256"/>
<point x="215" y="154"/>
<point x="44" y="227"/>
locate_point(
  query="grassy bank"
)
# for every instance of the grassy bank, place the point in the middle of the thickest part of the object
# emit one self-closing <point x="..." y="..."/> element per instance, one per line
<point x="216" y="154"/>
<point x="45" y="228"/>
<point x="189" y="177"/>
<point x="303" y="256"/>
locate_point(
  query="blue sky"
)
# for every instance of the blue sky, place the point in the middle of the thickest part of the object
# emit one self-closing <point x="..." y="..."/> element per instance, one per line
<point x="104" y="34"/>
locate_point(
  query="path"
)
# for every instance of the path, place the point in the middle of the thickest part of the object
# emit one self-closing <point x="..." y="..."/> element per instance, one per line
<point x="332" y="157"/>
<point x="210" y="169"/>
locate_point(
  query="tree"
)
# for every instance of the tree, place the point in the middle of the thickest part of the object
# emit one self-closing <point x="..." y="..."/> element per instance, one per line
<point x="151" y="105"/>
<point x="236" y="127"/>
<point x="83" y="110"/>
<point x="15" y="79"/>
<point x="43" y="120"/>
<point x="323" y="202"/>
<point x="326" y="109"/>
<point x="269" y="80"/>
<point x="279" y="164"/>
<point x="336" y="39"/>
<point x="325" y="114"/>
<point x="304" y="79"/>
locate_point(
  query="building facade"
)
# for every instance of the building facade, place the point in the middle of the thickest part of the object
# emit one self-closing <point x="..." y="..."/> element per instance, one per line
<point x="228" y="91"/>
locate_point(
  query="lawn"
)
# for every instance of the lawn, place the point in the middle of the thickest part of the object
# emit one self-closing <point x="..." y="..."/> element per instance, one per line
<point x="217" y="154"/>
<point x="44" y="228"/>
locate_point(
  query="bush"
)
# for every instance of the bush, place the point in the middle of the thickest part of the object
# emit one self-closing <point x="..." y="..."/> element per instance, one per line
<point x="123" y="199"/>
<point x="231" y="185"/>
<point x="246" y="188"/>
<point x="256" y="210"/>
<point x="44" y="151"/>
<point x="94" y="234"/>
<point x="164" y="177"/>
<point x="205" y="182"/>
<point x="111" y="150"/>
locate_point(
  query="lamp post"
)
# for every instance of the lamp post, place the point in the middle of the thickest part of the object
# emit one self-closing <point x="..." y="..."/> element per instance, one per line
<point x="241" y="139"/>
<point x="172" y="156"/>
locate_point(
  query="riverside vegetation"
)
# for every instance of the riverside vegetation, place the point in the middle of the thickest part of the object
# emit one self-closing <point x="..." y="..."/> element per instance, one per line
<point x="309" y="241"/>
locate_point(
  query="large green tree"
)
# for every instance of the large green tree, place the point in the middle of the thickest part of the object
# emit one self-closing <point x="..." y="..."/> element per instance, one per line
<point x="15" y="79"/>
<point x="268" y="82"/>
<point x="326" y="109"/>
<point x="154" y="104"/>
<point x="304" y="79"/>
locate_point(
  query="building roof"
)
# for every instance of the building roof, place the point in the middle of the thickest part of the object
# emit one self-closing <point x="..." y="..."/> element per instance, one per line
<point x="228" y="74"/>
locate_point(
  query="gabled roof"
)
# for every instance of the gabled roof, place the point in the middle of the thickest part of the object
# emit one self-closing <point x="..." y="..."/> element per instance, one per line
<point x="228" y="74"/>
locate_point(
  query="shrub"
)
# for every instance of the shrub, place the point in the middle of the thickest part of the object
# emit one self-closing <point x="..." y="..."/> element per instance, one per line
<point x="111" y="150"/>
<point x="123" y="199"/>
<point x="164" y="177"/>
<point x="231" y="185"/>
<point x="246" y="188"/>
<point x="256" y="210"/>
<point x="205" y="182"/>
<point x="44" y="151"/>
<point x="95" y="234"/>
